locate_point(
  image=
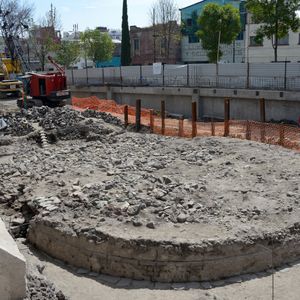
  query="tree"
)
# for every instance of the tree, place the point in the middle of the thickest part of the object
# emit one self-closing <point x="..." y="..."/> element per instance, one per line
<point x="14" y="24"/>
<point x="44" y="37"/>
<point x="67" y="53"/>
<point x="43" y="40"/>
<point x="164" y="17"/>
<point x="277" y="18"/>
<point x="219" y="24"/>
<point x="125" y="46"/>
<point x="96" y="45"/>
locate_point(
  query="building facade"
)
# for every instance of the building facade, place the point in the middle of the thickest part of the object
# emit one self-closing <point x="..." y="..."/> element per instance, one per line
<point x="149" y="45"/>
<point x="191" y="48"/>
<point x="288" y="47"/>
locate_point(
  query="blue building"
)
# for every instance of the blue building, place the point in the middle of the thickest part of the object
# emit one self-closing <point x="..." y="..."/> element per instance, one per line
<point x="191" y="49"/>
<point x="115" y="61"/>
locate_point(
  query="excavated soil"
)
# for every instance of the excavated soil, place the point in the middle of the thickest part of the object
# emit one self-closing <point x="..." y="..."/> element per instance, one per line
<point x="147" y="206"/>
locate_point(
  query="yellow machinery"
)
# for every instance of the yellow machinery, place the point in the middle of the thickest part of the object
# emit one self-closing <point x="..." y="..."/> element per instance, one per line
<point x="8" y="84"/>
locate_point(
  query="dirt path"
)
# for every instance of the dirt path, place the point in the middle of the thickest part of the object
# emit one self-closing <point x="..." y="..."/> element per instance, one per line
<point x="86" y="287"/>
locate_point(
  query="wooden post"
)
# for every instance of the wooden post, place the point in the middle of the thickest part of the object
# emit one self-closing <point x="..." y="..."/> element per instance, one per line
<point x="281" y="135"/>
<point x="126" y="115"/>
<point x="262" y="110"/>
<point x="163" y="116"/>
<point x="262" y="120"/>
<point x="138" y="115"/>
<point x="180" y="127"/>
<point x="226" y="116"/>
<point x="151" y="120"/>
<point x="248" y="131"/>
<point x="194" y="119"/>
<point x="213" y="128"/>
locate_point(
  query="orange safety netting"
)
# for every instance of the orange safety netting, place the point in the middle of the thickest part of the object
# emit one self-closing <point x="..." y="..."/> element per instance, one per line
<point x="104" y="105"/>
<point x="277" y="134"/>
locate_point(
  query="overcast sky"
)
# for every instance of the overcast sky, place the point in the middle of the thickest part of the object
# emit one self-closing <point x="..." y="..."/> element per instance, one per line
<point x="92" y="13"/>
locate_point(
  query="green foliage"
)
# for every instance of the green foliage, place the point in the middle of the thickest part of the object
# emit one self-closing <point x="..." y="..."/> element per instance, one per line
<point x="125" y="47"/>
<point x="67" y="53"/>
<point x="96" y="45"/>
<point x="277" y="18"/>
<point x="218" y="20"/>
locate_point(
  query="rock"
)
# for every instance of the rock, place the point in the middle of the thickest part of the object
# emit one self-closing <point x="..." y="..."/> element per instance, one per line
<point x="181" y="218"/>
<point x="150" y="225"/>
<point x="137" y="223"/>
<point x="133" y="210"/>
<point x="166" y="180"/>
<point x="18" y="221"/>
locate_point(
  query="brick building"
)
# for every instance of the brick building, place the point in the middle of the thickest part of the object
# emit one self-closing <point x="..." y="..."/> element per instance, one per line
<point x="150" y="45"/>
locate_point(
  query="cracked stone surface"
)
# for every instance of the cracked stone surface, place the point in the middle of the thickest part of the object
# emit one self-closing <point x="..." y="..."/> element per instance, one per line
<point x="145" y="182"/>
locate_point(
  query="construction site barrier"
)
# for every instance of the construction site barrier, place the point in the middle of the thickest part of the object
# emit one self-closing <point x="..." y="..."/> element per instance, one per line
<point x="287" y="136"/>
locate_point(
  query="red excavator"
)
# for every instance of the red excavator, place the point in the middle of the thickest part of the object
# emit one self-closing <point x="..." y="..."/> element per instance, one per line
<point x="48" y="88"/>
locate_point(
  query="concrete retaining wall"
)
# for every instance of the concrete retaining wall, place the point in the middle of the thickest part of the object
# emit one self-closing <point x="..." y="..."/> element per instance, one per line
<point x="12" y="268"/>
<point x="244" y="104"/>
<point x="164" y="261"/>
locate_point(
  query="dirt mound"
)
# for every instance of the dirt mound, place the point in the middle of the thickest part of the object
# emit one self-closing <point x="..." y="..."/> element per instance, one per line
<point x="64" y="123"/>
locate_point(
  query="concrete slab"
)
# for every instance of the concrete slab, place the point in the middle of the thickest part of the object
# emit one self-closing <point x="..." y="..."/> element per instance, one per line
<point x="12" y="268"/>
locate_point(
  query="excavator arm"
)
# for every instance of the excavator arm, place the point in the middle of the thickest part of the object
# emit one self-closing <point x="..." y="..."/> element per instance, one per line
<point x="59" y="68"/>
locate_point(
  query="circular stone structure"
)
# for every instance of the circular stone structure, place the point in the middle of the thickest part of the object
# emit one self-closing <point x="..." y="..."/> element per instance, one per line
<point x="157" y="208"/>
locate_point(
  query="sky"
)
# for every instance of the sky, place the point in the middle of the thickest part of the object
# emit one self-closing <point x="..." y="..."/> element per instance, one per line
<point x="93" y="13"/>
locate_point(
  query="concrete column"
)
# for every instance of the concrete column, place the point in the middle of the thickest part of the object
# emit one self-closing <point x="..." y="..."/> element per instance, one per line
<point x="12" y="268"/>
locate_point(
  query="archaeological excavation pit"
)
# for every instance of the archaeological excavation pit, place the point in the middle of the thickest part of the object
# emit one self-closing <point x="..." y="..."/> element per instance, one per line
<point x="150" y="207"/>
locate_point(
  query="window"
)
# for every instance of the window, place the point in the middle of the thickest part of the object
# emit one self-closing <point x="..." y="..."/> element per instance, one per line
<point x="189" y="22"/>
<point x="193" y="39"/>
<point x="255" y="43"/>
<point x="136" y="46"/>
<point x="283" y="41"/>
<point x="163" y="46"/>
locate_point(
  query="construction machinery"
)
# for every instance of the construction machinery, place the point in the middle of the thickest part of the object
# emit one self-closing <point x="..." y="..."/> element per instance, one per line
<point x="45" y="88"/>
<point x="8" y="85"/>
<point x="48" y="88"/>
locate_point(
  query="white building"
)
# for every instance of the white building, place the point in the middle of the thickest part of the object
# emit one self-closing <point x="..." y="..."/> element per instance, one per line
<point x="288" y="47"/>
<point x="115" y="34"/>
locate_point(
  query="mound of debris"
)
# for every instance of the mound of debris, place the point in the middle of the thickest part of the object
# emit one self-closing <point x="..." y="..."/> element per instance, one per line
<point x="39" y="288"/>
<point x="108" y="118"/>
<point x="64" y="123"/>
<point x="15" y="125"/>
<point x="149" y="180"/>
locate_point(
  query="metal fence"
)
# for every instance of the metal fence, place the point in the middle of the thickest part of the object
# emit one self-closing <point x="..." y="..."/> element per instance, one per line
<point x="273" y="76"/>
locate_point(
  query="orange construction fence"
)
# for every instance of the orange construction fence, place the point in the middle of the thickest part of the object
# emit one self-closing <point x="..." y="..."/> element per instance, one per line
<point x="277" y="134"/>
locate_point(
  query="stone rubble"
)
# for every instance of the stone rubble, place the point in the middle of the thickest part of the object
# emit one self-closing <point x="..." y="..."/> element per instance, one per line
<point x="39" y="288"/>
<point x="145" y="180"/>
